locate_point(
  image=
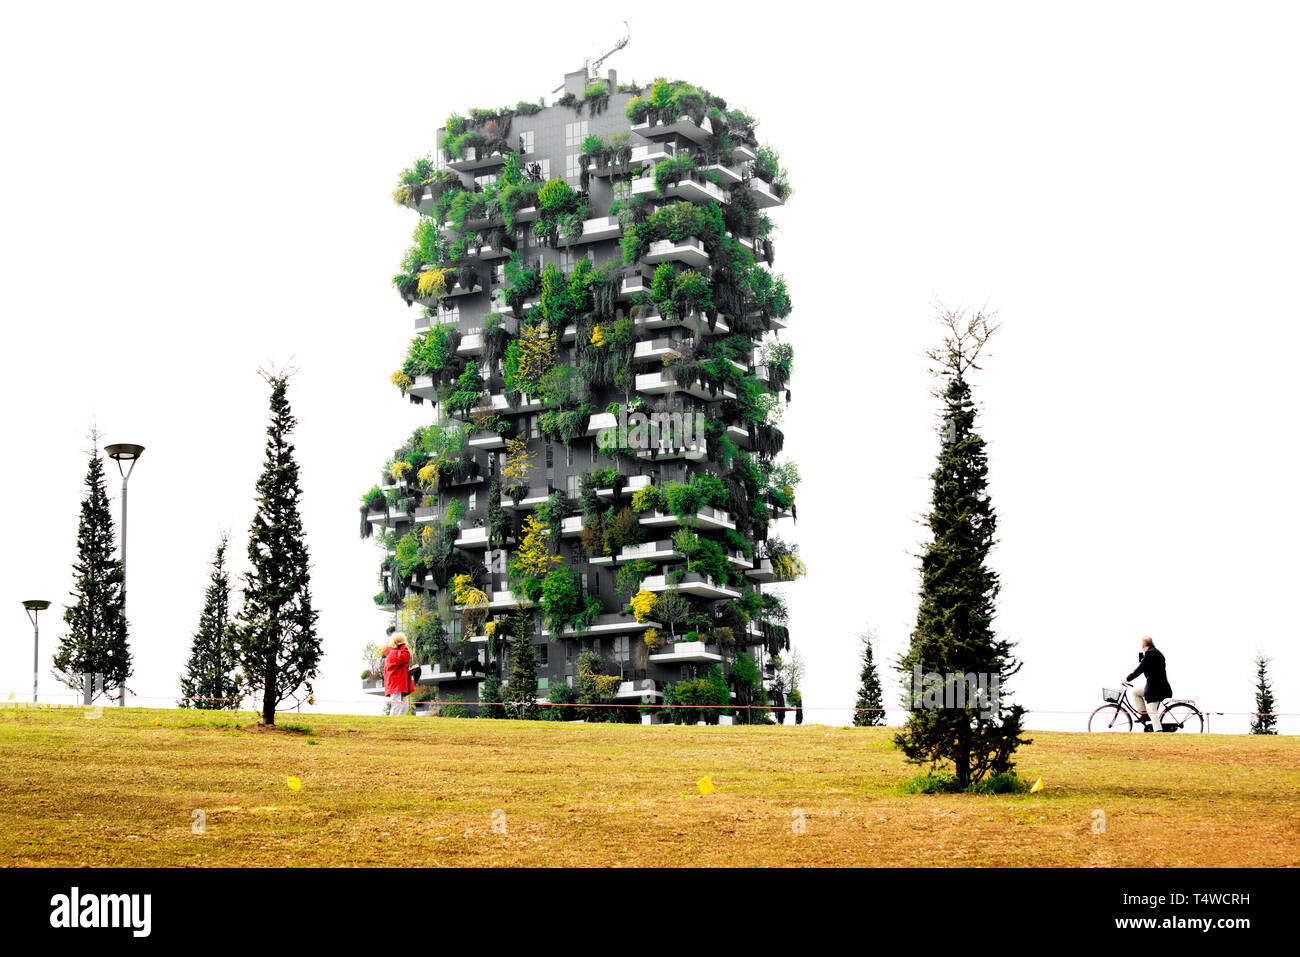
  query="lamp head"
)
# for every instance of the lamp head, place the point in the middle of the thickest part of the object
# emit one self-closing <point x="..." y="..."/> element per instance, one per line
<point x="124" y="452"/>
<point x="36" y="604"/>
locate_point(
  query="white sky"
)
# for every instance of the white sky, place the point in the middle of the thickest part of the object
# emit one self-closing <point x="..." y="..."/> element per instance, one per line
<point x="188" y="193"/>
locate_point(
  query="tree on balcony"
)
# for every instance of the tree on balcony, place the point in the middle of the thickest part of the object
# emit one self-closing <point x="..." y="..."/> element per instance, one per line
<point x="954" y="626"/>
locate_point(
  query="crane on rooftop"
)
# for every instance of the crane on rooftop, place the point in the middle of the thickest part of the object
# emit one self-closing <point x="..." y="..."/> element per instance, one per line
<point x="591" y="66"/>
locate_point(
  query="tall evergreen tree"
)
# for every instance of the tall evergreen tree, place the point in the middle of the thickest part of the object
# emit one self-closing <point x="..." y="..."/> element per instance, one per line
<point x="1265" y="707"/>
<point x="869" y="704"/>
<point x="96" y="641"/>
<point x="210" y="681"/>
<point x="521" y="691"/>
<point x="275" y="633"/>
<point x="954" y="634"/>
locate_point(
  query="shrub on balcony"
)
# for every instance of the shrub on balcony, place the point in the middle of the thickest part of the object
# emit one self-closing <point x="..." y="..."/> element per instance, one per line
<point x="642" y="605"/>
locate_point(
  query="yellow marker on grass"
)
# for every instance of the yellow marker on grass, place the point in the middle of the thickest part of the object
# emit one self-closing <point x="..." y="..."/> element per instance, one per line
<point x="294" y="783"/>
<point x="1038" y="786"/>
<point x="157" y="721"/>
<point x="705" y="786"/>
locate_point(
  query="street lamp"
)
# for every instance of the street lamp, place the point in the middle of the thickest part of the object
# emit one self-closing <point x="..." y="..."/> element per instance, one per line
<point x="34" y="608"/>
<point x="120" y="454"/>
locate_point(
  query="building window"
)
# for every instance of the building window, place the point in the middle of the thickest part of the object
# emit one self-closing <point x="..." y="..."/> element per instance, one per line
<point x="543" y="655"/>
<point x="568" y="456"/>
<point x="621" y="648"/>
<point x="572" y="168"/>
<point x="487" y="180"/>
<point x="550" y="455"/>
<point x="526" y="141"/>
<point x="571" y="485"/>
<point x="473" y="501"/>
<point x="545" y="166"/>
<point x="533" y="431"/>
<point x="575" y="133"/>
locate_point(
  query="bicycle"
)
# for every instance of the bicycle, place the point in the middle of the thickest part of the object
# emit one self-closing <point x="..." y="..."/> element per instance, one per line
<point x="1117" y="714"/>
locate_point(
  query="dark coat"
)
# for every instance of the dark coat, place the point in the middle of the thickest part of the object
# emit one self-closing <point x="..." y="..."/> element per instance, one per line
<point x="1153" y="666"/>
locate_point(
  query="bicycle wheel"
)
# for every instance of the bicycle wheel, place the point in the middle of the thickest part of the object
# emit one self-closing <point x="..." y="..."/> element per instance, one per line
<point x="1184" y="717"/>
<point x="1110" y="717"/>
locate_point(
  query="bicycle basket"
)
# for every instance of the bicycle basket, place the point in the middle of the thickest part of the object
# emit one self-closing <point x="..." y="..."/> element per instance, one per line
<point x="1112" y="695"/>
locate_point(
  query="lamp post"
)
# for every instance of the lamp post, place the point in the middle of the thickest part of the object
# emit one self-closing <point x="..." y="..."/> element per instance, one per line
<point x="120" y="454"/>
<point x="34" y="608"/>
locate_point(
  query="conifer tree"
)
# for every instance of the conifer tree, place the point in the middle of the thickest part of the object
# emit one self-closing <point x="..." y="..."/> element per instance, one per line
<point x="275" y="632"/>
<point x="954" y="634"/>
<point x="96" y="641"/>
<point x="1265" y="707"/>
<point x="868" y="711"/>
<point x="521" y="691"/>
<point x="210" y="681"/>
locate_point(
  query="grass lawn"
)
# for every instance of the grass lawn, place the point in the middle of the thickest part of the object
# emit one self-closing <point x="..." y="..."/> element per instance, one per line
<point x="121" y="790"/>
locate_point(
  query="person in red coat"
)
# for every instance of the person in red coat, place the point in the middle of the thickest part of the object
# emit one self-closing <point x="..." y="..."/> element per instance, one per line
<point x="397" y="674"/>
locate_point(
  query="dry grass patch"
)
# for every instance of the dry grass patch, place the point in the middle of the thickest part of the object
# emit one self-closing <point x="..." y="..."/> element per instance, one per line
<point x="120" y="790"/>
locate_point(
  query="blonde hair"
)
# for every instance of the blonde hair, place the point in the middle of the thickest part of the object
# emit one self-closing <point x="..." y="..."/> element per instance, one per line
<point x="399" y="638"/>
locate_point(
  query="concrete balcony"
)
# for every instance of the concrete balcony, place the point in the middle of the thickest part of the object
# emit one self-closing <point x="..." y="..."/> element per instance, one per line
<point x="475" y="158"/>
<point x="696" y="323"/>
<point x="635" y="284"/>
<point x="682" y="652"/>
<point x="740" y="560"/>
<point x="661" y="551"/>
<point x="743" y="153"/>
<point x="653" y="153"/>
<point x="656" y="350"/>
<point x="706" y="517"/>
<point x="600" y="421"/>
<point x="738" y="435"/>
<point x="634" y="484"/>
<point x="439" y="673"/>
<point x="425" y="323"/>
<point x="489" y="252"/>
<point x="662" y="383"/>
<point x="695" y="452"/>
<point x="526" y="404"/>
<point x="764" y="196"/>
<point x="608" y="625"/>
<point x="427" y="513"/>
<point x="595" y="230"/>
<point x="761" y="572"/>
<point x="571" y="527"/>
<point x="487" y="440"/>
<point x="728" y="173"/>
<point x="682" y="126"/>
<point x="476" y="536"/>
<point x="471" y="344"/>
<point x="424" y="387"/>
<point x="688" y="188"/>
<point x="637" y="690"/>
<point x="693" y="583"/>
<point x="532" y="498"/>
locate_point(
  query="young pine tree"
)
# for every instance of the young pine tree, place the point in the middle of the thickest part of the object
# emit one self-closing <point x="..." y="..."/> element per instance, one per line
<point x="210" y="681"/>
<point x="1266" y="708"/>
<point x="521" y="690"/>
<point x="869" y="713"/>
<point x="275" y="633"/>
<point x="954" y="634"/>
<point x="96" y="641"/>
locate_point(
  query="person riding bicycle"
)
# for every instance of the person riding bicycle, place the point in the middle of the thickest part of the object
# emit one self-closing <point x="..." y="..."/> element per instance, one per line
<point x="1151" y="663"/>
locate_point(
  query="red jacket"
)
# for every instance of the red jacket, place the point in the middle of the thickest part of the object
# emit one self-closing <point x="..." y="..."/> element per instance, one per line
<point x="397" y="677"/>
